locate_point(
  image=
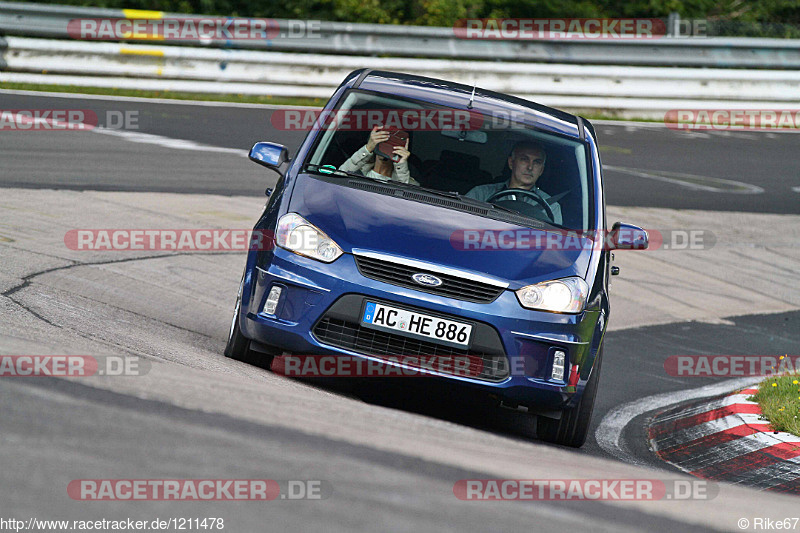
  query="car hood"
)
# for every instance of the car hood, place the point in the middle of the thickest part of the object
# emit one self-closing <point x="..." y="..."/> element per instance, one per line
<point x="364" y="220"/>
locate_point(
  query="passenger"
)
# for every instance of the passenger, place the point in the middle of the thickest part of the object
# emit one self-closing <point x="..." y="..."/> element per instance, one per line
<point x="526" y="161"/>
<point x="371" y="165"/>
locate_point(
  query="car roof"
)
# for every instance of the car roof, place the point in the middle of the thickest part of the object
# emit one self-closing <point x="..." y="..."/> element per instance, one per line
<point x="457" y="95"/>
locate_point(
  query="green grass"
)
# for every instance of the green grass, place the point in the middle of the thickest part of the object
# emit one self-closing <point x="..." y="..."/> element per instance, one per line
<point x="779" y="398"/>
<point x="205" y="97"/>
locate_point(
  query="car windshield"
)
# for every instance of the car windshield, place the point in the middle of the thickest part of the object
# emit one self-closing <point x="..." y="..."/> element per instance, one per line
<point x="505" y="165"/>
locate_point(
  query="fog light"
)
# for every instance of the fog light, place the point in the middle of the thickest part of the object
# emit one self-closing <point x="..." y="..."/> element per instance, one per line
<point x="558" y="365"/>
<point x="272" y="301"/>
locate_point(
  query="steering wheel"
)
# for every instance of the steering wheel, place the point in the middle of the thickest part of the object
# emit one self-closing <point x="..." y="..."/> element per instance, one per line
<point x="524" y="192"/>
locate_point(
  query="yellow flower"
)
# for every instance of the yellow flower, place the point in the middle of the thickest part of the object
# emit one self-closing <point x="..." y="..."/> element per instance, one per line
<point x="781" y="358"/>
<point x="774" y="384"/>
<point x="794" y="382"/>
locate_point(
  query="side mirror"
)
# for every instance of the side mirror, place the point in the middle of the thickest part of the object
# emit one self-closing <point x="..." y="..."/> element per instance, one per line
<point x="628" y="237"/>
<point x="270" y="155"/>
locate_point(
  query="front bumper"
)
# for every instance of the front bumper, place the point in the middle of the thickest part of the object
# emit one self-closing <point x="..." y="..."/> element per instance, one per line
<point x="313" y="291"/>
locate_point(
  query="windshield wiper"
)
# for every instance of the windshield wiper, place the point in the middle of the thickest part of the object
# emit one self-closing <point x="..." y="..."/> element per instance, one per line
<point x="504" y="208"/>
<point x="328" y="170"/>
<point x="462" y="197"/>
<point x="331" y="170"/>
<point x="468" y="200"/>
<point x="448" y="194"/>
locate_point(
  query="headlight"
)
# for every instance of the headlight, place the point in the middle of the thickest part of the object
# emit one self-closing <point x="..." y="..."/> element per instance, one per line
<point x="566" y="295"/>
<point x="298" y="235"/>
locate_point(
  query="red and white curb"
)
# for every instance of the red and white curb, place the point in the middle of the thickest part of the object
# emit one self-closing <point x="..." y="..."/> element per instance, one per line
<point x="727" y="439"/>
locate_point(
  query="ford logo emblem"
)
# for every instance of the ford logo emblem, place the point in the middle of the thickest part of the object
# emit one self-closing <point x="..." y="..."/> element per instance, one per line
<point x="427" y="280"/>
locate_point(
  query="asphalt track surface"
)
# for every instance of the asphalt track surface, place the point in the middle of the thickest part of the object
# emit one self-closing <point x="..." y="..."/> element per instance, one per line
<point x="372" y="490"/>
<point x="759" y="159"/>
<point x="159" y="440"/>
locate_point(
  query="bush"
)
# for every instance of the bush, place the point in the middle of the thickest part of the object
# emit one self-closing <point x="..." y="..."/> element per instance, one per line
<point x="767" y="18"/>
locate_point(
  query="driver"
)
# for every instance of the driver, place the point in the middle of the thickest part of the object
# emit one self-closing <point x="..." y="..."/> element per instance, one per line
<point x="376" y="166"/>
<point x="526" y="162"/>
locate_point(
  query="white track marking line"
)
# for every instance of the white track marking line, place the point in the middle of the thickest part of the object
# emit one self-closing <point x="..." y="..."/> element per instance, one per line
<point x="691" y="181"/>
<point x="609" y="432"/>
<point x="168" y="142"/>
<point x="132" y="136"/>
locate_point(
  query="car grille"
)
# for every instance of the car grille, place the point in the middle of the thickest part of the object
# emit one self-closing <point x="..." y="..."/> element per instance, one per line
<point x="383" y="345"/>
<point x="452" y="286"/>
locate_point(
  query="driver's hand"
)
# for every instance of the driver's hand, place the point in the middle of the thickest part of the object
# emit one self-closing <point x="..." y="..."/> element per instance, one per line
<point x="377" y="136"/>
<point x="403" y="152"/>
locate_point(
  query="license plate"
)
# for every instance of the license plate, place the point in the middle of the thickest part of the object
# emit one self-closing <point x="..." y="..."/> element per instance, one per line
<point x="413" y="324"/>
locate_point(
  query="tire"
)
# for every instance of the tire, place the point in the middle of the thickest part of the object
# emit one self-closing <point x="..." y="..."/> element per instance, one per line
<point x="573" y="427"/>
<point x="238" y="346"/>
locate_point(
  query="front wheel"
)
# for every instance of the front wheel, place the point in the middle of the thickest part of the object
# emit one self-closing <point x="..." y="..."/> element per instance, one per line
<point x="238" y="346"/>
<point x="573" y="427"/>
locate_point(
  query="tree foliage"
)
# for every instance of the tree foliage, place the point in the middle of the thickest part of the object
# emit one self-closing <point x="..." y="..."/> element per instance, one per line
<point x="778" y="18"/>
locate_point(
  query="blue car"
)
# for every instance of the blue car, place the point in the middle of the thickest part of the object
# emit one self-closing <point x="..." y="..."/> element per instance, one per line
<point x="423" y="218"/>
